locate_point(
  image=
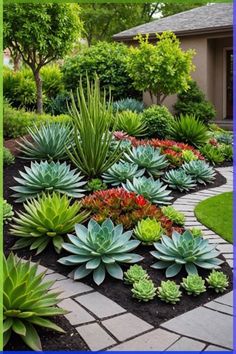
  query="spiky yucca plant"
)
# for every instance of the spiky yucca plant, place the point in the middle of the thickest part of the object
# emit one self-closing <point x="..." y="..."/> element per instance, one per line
<point x="178" y="179"/>
<point x="27" y="302"/>
<point x="200" y="171"/>
<point x="174" y="215"/>
<point x="48" y="142"/>
<point x="218" y="281"/>
<point x="169" y="292"/>
<point x="120" y="172"/>
<point x="194" y="284"/>
<point x="144" y="290"/>
<point x="153" y="190"/>
<point x="134" y="274"/>
<point x="48" y="177"/>
<point x="46" y="219"/>
<point x="100" y="248"/>
<point x="146" y="156"/>
<point x="184" y="250"/>
<point x="148" y="231"/>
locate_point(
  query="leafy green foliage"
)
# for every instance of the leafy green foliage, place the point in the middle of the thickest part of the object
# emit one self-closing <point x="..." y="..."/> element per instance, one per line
<point x="218" y="281"/>
<point x="193" y="102"/>
<point x="169" y="292"/>
<point x="188" y="156"/>
<point x="48" y="177"/>
<point x="52" y="80"/>
<point x="128" y="104"/>
<point x="120" y="172"/>
<point x="158" y="121"/>
<point x="162" y="68"/>
<point x="178" y="179"/>
<point x="7" y="211"/>
<point x="92" y="137"/>
<point x="59" y="104"/>
<point x="27" y="302"/>
<point x="194" y="284"/>
<point x="46" y="220"/>
<point x="196" y="232"/>
<point x="190" y="130"/>
<point x="95" y="184"/>
<point x="131" y="123"/>
<point x="100" y="248"/>
<point x="184" y="250"/>
<point x="144" y="290"/>
<point x="200" y="171"/>
<point x="8" y="157"/>
<point x="147" y="157"/>
<point x="49" y="142"/>
<point x="212" y="153"/>
<point x="227" y="152"/>
<point x="152" y="190"/>
<point x="174" y="215"/>
<point x="134" y="274"/>
<point x="148" y="231"/>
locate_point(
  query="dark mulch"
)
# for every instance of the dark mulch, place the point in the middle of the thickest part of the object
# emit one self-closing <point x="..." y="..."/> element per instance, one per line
<point x="154" y="312"/>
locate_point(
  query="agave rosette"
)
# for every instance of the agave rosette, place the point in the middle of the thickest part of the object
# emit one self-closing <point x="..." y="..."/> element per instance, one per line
<point x="200" y="171"/>
<point x="178" y="179"/>
<point x="120" y="172"/>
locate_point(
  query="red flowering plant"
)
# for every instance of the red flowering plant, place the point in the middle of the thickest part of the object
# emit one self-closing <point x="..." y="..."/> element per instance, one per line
<point x="123" y="207"/>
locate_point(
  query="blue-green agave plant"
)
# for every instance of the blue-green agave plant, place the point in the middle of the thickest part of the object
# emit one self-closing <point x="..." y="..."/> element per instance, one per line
<point x="120" y="172"/>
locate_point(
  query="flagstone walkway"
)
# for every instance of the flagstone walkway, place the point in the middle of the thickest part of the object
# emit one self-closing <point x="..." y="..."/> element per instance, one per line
<point x="105" y="325"/>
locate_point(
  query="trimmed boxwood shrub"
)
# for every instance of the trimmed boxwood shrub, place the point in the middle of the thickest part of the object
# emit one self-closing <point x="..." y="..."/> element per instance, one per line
<point x="158" y="121"/>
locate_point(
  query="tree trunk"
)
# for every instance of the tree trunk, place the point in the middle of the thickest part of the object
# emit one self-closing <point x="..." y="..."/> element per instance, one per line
<point x="158" y="96"/>
<point x="16" y="62"/>
<point x="39" y="87"/>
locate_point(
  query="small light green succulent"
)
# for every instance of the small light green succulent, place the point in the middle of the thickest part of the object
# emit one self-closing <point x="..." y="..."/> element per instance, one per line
<point x="144" y="290"/>
<point x="95" y="184"/>
<point x="169" y="292"/>
<point x="196" y="232"/>
<point x="134" y="274"/>
<point x="188" y="155"/>
<point x="174" y="215"/>
<point x="120" y="172"/>
<point x="194" y="284"/>
<point x="178" y="179"/>
<point x="7" y="212"/>
<point x="148" y="231"/>
<point x="218" y="281"/>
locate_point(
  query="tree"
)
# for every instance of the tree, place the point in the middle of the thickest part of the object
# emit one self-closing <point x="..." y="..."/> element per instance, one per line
<point x="162" y="68"/>
<point x="168" y="9"/>
<point x="41" y="33"/>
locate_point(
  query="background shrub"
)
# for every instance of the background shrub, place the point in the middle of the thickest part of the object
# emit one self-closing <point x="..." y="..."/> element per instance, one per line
<point x="108" y="61"/>
<point x="193" y="102"/>
<point x="158" y="121"/>
<point x="8" y="157"/>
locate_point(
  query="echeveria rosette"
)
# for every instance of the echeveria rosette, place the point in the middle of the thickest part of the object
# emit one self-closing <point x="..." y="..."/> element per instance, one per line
<point x="134" y="274"/>
<point x="178" y="179"/>
<point x="200" y="171"/>
<point x="169" y="292"/>
<point x="174" y="215"/>
<point x="194" y="284"/>
<point x="185" y="251"/>
<point x="218" y="281"/>
<point x="120" y="172"/>
<point x="144" y="290"/>
<point x="100" y="249"/>
<point x="148" y="231"/>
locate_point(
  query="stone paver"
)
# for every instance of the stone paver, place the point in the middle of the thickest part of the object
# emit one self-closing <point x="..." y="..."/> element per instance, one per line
<point x="187" y="344"/>
<point x="226" y="299"/>
<point x="70" y="288"/>
<point x="77" y="314"/>
<point x="226" y="248"/>
<point x="204" y="324"/>
<point x="54" y="277"/>
<point x="213" y="348"/>
<point x="100" y="305"/>
<point x="157" y="340"/>
<point x="220" y="307"/>
<point x="95" y="336"/>
<point x="126" y="326"/>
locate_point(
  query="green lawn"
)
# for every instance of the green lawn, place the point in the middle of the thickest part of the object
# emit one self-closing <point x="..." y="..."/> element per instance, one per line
<point x="217" y="214"/>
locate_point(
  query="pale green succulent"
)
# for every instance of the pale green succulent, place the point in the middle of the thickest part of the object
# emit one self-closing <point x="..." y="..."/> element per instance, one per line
<point x="95" y="184"/>
<point x="148" y="231"/>
<point x="194" y="284"/>
<point x="149" y="158"/>
<point x="218" y="281"/>
<point x="131" y="123"/>
<point x="169" y="292"/>
<point x="178" y="179"/>
<point x="188" y="155"/>
<point x="185" y="250"/>
<point x="100" y="248"/>
<point x="7" y="211"/>
<point x="134" y="274"/>
<point x="144" y="290"/>
<point x="120" y="172"/>
<point x="130" y="104"/>
<point x="174" y="215"/>
<point x="200" y="171"/>
<point x="153" y="190"/>
<point x="196" y="232"/>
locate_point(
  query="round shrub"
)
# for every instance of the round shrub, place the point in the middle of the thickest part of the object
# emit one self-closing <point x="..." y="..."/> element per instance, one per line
<point x="158" y="121"/>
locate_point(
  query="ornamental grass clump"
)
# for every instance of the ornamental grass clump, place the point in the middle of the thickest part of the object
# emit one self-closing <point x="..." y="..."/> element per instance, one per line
<point x="194" y="284"/>
<point x="144" y="290"/>
<point x="100" y="249"/>
<point x="174" y="215"/>
<point x="120" y="172"/>
<point x="218" y="281"/>
<point x="134" y="274"/>
<point x="185" y="251"/>
<point x="48" y="177"/>
<point x="27" y="302"/>
<point x="169" y="292"/>
<point x="148" y="231"/>
<point x="200" y="171"/>
<point x="46" y="220"/>
<point x="178" y="179"/>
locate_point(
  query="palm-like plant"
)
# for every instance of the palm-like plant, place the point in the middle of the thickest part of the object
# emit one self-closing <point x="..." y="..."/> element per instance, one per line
<point x="120" y="172"/>
<point x="48" y="142"/>
<point x="27" y="302"/>
<point x="100" y="248"/>
<point x="93" y="131"/>
<point x="178" y="179"/>
<point x="46" y="219"/>
<point x="200" y="171"/>
<point x="154" y="191"/>
<point x="147" y="157"/>
<point x="48" y="177"/>
<point x="184" y="250"/>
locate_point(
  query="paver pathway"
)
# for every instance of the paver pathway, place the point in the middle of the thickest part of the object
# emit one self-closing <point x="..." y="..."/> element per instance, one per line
<point x="105" y="325"/>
